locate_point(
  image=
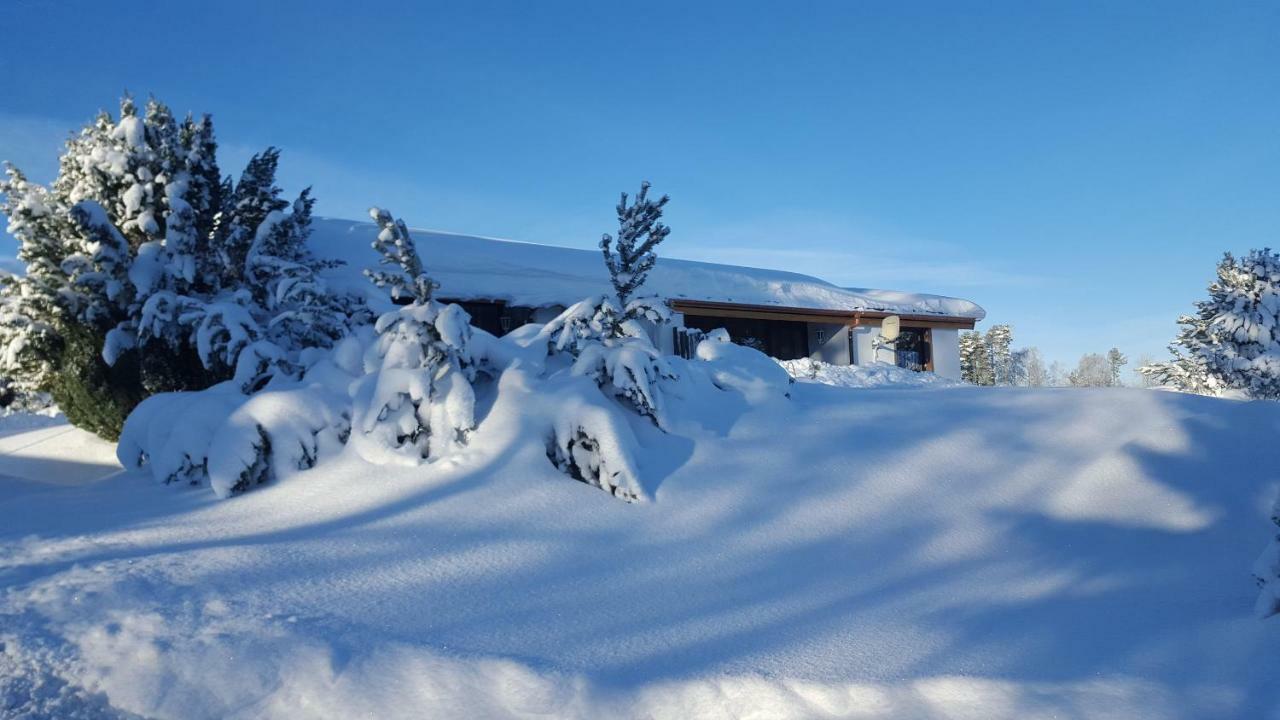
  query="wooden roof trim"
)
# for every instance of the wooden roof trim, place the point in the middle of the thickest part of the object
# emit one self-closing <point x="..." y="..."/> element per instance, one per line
<point x="846" y="317"/>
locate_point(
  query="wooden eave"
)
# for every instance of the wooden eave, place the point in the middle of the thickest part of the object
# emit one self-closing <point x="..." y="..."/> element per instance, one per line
<point x="850" y="318"/>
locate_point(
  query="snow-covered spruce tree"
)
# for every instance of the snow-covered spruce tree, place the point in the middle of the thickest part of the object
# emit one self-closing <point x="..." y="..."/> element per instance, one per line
<point x="608" y="342"/>
<point x="998" y="341"/>
<point x="417" y="403"/>
<point x="975" y="359"/>
<point x="1092" y="371"/>
<point x="1233" y="340"/>
<point x="606" y="334"/>
<point x="640" y="230"/>
<point x="1115" y="361"/>
<point x="130" y="286"/>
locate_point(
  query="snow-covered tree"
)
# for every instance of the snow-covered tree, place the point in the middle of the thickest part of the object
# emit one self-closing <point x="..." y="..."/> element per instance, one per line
<point x="640" y="231"/>
<point x="417" y="403"/>
<point x="975" y="359"/>
<point x="1115" y="361"/>
<point x="1233" y="340"/>
<point x="1093" y="370"/>
<point x="142" y="254"/>
<point x="998" y="341"/>
<point x="1145" y="380"/>
<point x="1028" y="369"/>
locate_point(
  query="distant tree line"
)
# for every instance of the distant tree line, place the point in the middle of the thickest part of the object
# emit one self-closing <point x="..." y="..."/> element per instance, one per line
<point x="989" y="359"/>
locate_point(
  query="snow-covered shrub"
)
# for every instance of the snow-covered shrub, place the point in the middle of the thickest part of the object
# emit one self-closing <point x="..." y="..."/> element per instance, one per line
<point x="617" y="354"/>
<point x="141" y="256"/>
<point x="1266" y="570"/>
<point x="592" y="443"/>
<point x="758" y="377"/>
<point x="417" y="401"/>
<point x="233" y="441"/>
<point x="1233" y="340"/>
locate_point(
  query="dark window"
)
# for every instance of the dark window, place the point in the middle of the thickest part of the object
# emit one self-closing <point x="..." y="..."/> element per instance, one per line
<point x="496" y="318"/>
<point x="911" y="349"/>
<point x="782" y="339"/>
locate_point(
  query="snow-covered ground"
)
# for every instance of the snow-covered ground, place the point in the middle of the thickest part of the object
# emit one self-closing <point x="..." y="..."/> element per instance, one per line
<point x="960" y="553"/>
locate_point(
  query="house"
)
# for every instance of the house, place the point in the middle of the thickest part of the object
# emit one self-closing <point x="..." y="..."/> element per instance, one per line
<point x="504" y="284"/>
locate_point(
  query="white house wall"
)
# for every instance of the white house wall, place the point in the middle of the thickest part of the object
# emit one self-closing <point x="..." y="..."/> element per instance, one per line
<point x="946" y="352"/>
<point x="834" y="347"/>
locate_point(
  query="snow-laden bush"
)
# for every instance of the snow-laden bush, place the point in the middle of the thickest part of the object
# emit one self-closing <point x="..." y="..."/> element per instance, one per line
<point x="617" y="354"/>
<point x="233" y="441"/>
<point x="590" y="441"/>
<point x="416" y="402"/>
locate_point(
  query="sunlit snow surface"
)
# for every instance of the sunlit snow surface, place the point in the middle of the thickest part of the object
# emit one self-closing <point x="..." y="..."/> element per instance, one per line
<point x="906" y="553"/>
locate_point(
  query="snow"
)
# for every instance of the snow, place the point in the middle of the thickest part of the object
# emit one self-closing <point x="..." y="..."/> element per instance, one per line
<point x="862" y="376"/>
<point x="956" y="553"/>
<point x="43" y="449"/>
<point x="471" y="268"/>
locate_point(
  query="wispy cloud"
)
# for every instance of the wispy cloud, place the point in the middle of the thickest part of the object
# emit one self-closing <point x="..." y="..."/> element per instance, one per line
<point x="848" y="253"/>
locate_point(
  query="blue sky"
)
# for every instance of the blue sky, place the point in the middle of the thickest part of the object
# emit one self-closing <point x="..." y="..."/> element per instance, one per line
<point x="1077" y="168"/>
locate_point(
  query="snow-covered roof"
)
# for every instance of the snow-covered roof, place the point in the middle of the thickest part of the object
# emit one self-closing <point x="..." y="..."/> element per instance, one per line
<point x="475" y="268"/>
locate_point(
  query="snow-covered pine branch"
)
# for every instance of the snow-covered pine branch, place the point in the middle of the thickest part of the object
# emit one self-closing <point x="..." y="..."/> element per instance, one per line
<point x="406" y="279"/>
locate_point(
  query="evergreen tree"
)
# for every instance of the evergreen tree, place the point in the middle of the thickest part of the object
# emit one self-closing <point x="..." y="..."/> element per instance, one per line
<point x="640" y="230"/>
<point x="1233" y="340"/>
<point x="1093" y="370"/>
<point x="147" y="272"/>
<point x="1115" y="361"/>
<point x="1034" y="373"/>
<point x="975" y="360"/>
<point x="997" y="342"/>
<point x="419" y="404"/>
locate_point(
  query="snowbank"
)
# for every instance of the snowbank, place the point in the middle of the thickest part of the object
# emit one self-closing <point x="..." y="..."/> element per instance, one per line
<point x="862" y="376"/>
<point x="469" y="267"/>
<point x="975" y="553"/>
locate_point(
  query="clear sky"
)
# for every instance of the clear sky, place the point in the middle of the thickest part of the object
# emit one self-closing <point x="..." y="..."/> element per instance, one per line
<point x="1077" y="168"/>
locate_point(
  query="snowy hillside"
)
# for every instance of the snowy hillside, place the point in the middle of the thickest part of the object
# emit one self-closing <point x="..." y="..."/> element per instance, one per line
<point x="469" y="267"/>
<point x="957" y="553"/>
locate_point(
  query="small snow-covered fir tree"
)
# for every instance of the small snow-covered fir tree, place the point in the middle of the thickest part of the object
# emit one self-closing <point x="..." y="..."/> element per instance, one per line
<point x="1233" y="340"/>
<point x="417" y="403"/>
<point x="606" y="334"/>
<point x="640" y="231"/>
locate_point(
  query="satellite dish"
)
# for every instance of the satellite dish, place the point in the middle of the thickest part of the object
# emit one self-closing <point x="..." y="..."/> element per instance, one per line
<point x="890" y="328"/>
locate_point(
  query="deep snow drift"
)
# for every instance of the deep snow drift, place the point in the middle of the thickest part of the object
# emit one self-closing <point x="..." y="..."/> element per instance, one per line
<point x="908" y="553"/>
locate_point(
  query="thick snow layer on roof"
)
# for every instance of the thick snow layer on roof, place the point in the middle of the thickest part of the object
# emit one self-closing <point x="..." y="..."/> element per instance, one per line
<point x="476" y="268"/>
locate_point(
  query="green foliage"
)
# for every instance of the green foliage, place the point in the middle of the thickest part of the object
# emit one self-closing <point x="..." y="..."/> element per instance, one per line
<point x="93" y="395"/>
